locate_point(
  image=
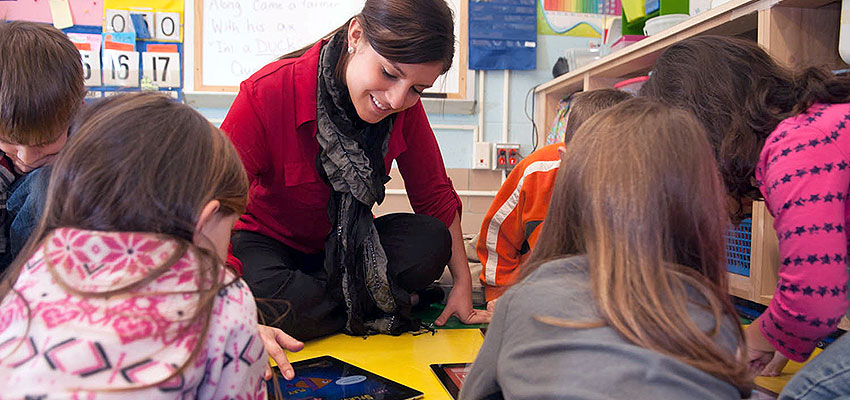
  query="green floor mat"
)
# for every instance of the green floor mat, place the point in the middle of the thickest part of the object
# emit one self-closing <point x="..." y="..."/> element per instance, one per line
<point x="430" y="315"/>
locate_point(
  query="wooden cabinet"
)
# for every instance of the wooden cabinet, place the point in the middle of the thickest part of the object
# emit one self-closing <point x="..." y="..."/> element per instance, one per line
<point x="796" y="32"/>
<point x="764" y="260"/>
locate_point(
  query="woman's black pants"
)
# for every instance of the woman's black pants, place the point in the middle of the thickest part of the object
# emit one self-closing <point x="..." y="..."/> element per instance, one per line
<point x="291" y="287"/>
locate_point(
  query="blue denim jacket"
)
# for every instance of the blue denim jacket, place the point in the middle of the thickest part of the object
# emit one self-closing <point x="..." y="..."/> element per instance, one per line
<point x="25" y="204"/>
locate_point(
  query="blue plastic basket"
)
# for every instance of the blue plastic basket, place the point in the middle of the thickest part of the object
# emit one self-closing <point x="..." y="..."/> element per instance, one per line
<point x="738" y="240"/>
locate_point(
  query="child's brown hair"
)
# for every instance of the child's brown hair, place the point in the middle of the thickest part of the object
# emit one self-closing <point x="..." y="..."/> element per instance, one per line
<point x="143" y="163"/>
<point x="41" y="83"/>
<point x="639" y="193"/>
<point x="740" y="94"/>
<point x="584" y="104"/>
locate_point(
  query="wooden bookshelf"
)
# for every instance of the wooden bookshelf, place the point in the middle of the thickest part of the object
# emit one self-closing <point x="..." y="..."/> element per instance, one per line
<point x="796" y="32"/>
<point x="764" y="260"/>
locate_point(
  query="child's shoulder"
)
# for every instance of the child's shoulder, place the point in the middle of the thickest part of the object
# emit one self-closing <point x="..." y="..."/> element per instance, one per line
<point x="817" y="120"/>
<point x="574" y="266"/>
<point x="539" y="167"/>
<point x="561" y="281"/>
<point x="236" y="295"/>
<point x="806" y="136"/>
<point x="547" y="153"/>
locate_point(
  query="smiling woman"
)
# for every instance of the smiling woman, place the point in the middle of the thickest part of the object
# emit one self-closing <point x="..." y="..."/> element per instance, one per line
<point x="317" y="131"/>
<point x="392" y="87"/>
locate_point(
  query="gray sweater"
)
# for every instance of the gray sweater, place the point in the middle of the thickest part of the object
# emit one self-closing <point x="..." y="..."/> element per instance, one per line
<point x="522" y="358"/>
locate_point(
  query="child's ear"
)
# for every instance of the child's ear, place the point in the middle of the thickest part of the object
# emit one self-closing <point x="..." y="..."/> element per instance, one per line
<point x="207" y="214"/>
<point x="562" y="150"/>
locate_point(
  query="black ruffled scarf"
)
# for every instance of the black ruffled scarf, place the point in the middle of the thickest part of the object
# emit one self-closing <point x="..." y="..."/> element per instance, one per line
<point x="352" y="161"/>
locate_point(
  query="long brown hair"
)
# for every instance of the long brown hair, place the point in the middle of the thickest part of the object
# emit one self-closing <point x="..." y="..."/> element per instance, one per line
<point x="638" y="192"/>
<point x="584" y="104"/>
<point x="143" y="163"/>
<point x="403" y="31"/>
<point x="740" y="94"/>
<point x="41" y="83"/>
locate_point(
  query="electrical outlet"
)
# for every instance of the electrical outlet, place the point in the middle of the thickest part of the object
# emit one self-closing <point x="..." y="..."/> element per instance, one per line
<point x="481" y="155"/>
<point x="505" y="156"/>
<point x="513" y="158"/>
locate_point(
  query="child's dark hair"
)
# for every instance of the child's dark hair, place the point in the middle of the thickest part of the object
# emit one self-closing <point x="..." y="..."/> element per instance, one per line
<point x="584" y="104"/>
<point x="740" y="94"/>
<point x="143" y="163"/>
<point x="41" y="83"/>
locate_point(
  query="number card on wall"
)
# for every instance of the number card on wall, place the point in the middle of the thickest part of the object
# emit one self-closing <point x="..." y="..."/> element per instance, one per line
<point x="132" y="44"/>
<point x="117" y="21"/>
<point x="162" y="19"/>
<point x="161" y="64"/>
<point x="91" y="67"/>
<point x="120" y="68"/>
<point x="90" y="58"/>
<point x="167" y="26"/>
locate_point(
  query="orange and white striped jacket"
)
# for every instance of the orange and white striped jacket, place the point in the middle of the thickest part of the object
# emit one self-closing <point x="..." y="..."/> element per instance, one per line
<point x="512" y="224"/>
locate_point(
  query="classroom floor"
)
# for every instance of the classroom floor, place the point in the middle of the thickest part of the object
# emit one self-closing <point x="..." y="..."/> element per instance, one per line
<point x="405" y="359"/>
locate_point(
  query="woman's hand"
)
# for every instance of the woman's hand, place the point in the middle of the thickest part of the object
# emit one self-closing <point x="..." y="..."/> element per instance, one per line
<point x="459" y="304"/>
<point x="275" y="342"/>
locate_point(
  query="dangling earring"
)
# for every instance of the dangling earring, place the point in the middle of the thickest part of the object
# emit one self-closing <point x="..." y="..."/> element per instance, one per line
<point x="350" y="50"/>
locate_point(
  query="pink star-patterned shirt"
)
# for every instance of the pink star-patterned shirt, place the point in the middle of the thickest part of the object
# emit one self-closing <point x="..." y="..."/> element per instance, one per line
<point x="804" y="175"/>
<point x="110" y="346"/>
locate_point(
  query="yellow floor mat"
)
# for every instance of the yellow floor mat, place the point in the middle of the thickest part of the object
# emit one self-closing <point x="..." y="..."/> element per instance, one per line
<point x="776" y="383"/>
<point x="405" y="359"/>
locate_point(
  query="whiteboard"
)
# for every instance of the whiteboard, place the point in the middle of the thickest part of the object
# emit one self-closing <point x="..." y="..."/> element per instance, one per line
<point x="235" y="38"/>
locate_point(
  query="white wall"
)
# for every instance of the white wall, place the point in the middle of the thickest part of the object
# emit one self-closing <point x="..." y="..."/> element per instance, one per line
<point x="456" y="144"/>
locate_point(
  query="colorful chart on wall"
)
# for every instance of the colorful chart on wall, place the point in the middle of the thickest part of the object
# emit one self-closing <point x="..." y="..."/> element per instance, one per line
<point x="124" y="45"/>
<point x="579" y="18"/>
<point x="83" y="12"/>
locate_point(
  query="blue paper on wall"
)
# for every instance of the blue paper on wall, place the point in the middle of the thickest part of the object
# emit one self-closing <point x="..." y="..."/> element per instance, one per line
<point x="140" y="26"/>
<point x="126" y="38"/>
<point x="503" y="34"/>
